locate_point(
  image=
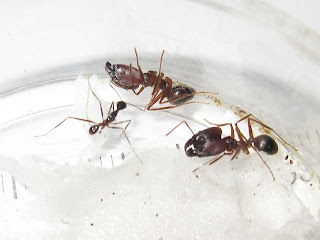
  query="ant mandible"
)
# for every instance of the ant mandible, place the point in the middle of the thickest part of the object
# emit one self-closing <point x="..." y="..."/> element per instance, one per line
<point x="208" y="142"/>
<point x="112" y="114"/>
<point x="131" y="78"/>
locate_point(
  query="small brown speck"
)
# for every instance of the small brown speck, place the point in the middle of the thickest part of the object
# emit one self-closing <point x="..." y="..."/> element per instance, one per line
<point x="113" y="193"/>
<point x="310" y="184"/>
<point x="197" y="176"/>
<point x="286" y="158"/>
<point x="91" y="224"/>
<point x="101" y="199"/>
<point x="291" y="162"/>
<point x="137" y="174"/>
<point x="157" y="215"/>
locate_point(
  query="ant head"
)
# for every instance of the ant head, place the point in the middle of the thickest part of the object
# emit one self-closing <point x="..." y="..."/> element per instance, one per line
<point x="121" y="105"/>
<point x="94" y="129"/>
<point x="196" y="146"/>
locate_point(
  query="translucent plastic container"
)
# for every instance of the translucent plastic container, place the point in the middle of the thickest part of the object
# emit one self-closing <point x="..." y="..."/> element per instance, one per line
<point x="256" y="58"/>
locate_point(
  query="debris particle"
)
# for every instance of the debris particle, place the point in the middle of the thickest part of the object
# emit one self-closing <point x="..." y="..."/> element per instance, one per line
<point x="291" y="162"/>
<point x="286" y="158"/>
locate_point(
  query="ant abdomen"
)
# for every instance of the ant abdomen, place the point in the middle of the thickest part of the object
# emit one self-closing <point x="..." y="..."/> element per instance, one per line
<point x="266" y="144"/>
<point x="121" y="105"/>
<point x="180" y="94"/>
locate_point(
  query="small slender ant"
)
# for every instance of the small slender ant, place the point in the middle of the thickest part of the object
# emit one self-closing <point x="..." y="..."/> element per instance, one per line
<point x="209" y="142"/>
<point x="106" y="122"/>
<point x="131" y="78"/>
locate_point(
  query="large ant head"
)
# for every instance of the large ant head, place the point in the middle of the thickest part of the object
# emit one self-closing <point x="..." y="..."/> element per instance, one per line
<point x="94" y="129"/>
<point x="110" y="69"/>
<point x="121" y="105"/>
<point x="196" y="145"/>
<point x="266" y="144"/>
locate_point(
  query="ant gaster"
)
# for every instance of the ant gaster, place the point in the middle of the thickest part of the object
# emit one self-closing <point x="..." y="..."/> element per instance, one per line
<point x="131" y="78"/>
<point x="112" y="114"/>
<point x="208" y="142"/>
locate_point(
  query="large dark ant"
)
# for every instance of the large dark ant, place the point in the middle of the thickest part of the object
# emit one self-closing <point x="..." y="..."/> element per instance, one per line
<point x="131" y="78"/>
<point x="112" y="114"/>
<point x="208" y="142"/>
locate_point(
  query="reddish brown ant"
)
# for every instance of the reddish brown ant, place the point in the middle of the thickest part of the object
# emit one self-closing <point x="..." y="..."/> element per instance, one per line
<point x="208" y="142"/>
<point x="131" y="78"/>
<point x="112" y="114"/>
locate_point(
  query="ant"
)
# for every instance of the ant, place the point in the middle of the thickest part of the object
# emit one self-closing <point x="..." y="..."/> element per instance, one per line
<point x="98" y="127"/>
<point x="131" y="78"/>
<point x="208" y="142"/>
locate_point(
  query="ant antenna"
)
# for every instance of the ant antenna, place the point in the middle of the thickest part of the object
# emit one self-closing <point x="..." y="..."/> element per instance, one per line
<point x="178" y="126"/>
<point x="161" y="61"/>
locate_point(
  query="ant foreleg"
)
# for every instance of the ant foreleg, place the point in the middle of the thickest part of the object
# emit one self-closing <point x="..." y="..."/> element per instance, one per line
<point x="212" y="161"/>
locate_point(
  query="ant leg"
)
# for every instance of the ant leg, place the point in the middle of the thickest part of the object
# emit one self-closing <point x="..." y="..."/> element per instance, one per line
<point x="125" y="121"/>
<point x="269" y="128"/>
<point x="177" y="98"/>
<point x="244" y="143"/>
<point x="80" y="119"/>
<point x="251" y="136"/>
<point x="222" y="125"/>
<point x="97" y="99"/>
<point x="212" y="161"/>
<point x="123" y="130"/>
<point x="178" y="126"/>
<point x="251" y="117"/>
<point x="155" y="98"/>
<point x="236" y="153"/>
<point x="111" y="108"/>
<point x="140" y="90"/>
<point x="264" y="162"/>
<point x="115" y="90"/>
<point x="157" y="81"/>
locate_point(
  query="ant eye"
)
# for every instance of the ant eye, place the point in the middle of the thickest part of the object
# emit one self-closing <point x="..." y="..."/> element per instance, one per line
<point x="93" y="129"/>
